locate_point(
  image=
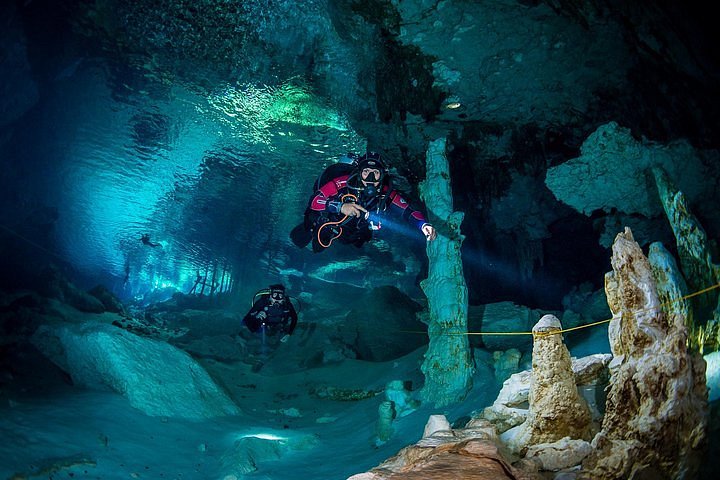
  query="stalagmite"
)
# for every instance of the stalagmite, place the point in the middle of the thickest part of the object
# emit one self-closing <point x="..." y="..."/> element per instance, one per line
<point x="556" y="408"/>
<point x="384" y="429"/>
<point x="447" y="367"/>
<point x="655" y="417"/>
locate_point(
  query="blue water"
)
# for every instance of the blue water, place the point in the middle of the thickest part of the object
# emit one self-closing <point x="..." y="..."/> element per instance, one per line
<point x="213" y="178"/>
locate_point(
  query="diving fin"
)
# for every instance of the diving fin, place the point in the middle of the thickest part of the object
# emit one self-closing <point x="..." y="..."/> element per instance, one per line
<point x="300" y="236"/>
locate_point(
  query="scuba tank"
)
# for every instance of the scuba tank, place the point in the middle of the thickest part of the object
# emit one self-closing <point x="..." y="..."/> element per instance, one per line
<point x="344" y="166"/>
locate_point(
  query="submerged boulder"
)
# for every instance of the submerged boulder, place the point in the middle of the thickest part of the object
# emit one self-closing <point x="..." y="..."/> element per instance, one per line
<point x="155" y="377"/>
<point x="386" y="325"/>
<point x="471" y="453"/>
<point x="54" y="284"/>
<point x="108" y="299"/>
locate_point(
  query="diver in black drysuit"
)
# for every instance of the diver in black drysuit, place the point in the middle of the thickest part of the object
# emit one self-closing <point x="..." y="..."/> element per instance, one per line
<point x="272" y="314"/>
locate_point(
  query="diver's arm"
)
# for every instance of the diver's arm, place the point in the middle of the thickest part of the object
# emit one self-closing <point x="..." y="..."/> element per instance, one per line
<point x="400" y="207"/>
<point x="327" y="196"/>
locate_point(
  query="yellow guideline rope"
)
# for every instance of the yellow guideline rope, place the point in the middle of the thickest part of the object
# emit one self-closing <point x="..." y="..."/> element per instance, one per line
<point x="556" y="332"/>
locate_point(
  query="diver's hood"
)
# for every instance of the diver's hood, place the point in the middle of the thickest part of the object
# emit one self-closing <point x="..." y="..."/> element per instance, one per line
<point x="370" y="163"/>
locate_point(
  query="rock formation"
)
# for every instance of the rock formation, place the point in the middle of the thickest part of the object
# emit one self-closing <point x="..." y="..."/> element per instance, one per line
<point x="655" y="421"/>
<point x="556" y="408"/>
<point x="155" y="377"/>
<point x="671" y="286"/>
<point x="655" y="417"/>
<point x="401" y="398"/>
<point x="383" y="427"/>
<point x="470" y="453"/>
<point x="505" y="363"/>
<point x="510" y="409"/>
<point x="692" y="245"/>
<point x="447" y="367"/>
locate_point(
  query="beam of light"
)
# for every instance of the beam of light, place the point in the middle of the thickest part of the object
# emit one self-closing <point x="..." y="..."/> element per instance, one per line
<point x="484" y="261"/>
<point x="264" y="436"/>
<point x="390" y="224"/>
<point x="477" y="259"/>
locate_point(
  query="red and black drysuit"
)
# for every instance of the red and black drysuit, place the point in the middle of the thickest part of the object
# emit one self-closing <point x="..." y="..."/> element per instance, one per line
<point x="326" y="206"/>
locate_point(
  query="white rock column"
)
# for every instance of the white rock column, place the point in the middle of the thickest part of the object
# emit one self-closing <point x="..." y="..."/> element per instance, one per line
<point x="447" y="367"/>
<point x="556" y="408"/>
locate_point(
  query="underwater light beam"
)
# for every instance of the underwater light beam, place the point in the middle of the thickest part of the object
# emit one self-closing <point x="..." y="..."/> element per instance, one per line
<point x="384" y="223"/>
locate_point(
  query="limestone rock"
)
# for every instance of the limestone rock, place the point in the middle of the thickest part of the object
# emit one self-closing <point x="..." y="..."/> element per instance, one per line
<point x="646" y="230"/>
<point x="510" y="408"/>
<point x="692" y="243"/>
<point x="655" y="418"/>
<point x="401" y="398"/>
<point x="447" y="366"/>
<point x="341" y="394"/>
<point x="469" y="460"/>
<point x="155" y="377"/>
<point x="436" y="423"/>
<point x="505" y="317"/>
<point x="108" y="299"/>
<point x="564" y="453"/>
<point x="671" y="285"/>
<point x="472" y="453"/>
<point x="592" y="369"/>
<point x="515" y="389"/>
<point x="610" y="174"/>
<point x="251" y="449"/>
<point x="589" y="304"/>
<point x="383" y="428"/>
<point x="468" y="38"/>
<point x="506" y="363"/>
<point x="378" y="321"/>
<point x="556" y="408"/>
<point x="54" y="284"/>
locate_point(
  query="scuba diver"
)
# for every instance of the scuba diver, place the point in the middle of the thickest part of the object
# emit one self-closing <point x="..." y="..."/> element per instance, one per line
<point x="350" y="202"/>
<point x="145" y="239"/>
<point x="272" y="314"/>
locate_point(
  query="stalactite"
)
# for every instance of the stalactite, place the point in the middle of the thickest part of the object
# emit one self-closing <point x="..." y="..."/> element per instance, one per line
<point x="529" y="255"/>
<point x="213" y="285"/>
<point x="447" y="366"/>
<point x="222" y="278"/>
<point x="204" y="282"/>
<point x="692" y="245"/>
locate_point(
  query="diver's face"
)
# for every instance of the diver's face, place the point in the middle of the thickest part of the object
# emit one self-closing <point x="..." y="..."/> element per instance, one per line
<point x="370" y="176"/>
<point x="277" y="297"/>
